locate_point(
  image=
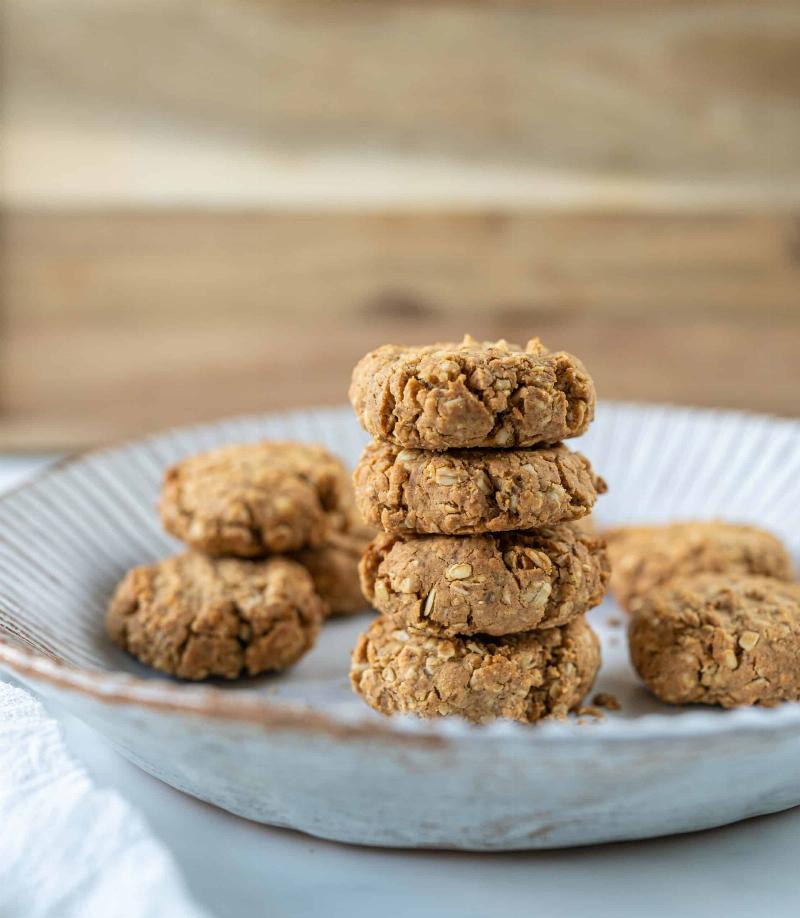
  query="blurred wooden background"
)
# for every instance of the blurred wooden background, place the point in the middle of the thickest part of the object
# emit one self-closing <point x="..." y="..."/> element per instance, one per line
<point x="217" y="206"/>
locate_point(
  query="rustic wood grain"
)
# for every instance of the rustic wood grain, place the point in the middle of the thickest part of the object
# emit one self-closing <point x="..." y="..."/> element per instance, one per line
<point x="668" y="90"/>
<point x="118" y="323"/>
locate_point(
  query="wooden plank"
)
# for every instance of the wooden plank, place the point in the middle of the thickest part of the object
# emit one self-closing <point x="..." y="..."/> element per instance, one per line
<point x="116" y="324"/>
<point x="87" y="388"/>
<point x="665" y="92"/>
<point x="188" y="262"/>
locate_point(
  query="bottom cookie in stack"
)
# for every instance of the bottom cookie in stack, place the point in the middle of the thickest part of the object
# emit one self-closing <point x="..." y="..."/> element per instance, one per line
<point x="525" y="677"/>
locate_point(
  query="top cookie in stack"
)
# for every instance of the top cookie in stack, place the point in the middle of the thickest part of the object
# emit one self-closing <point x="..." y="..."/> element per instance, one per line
<point x="473" y="394"/>
<point x="477" y="497"/>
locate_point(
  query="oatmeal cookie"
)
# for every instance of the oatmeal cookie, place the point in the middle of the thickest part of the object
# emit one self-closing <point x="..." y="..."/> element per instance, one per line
<point x="197" y="617"/>
<point x="472" y="491"/>
<point x="334" y="569"/>
<point x="485" y="584"/>
<point x="447" y="396"/>
<point x="721" y="639"/>
<point x="252" y="500"/>
<point x="645" y="557"/>
<point x="524" y="677"/>
<point x="587" y="523"/>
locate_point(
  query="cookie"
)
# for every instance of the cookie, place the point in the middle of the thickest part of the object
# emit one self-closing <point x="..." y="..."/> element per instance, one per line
<point x="645" y="557"/>
<point x="524" y="677"/>
<point x="334" y="569"/>
<point x="472" y="491"/>
<point x="587" y="523"/>
<point x="472" y="394"/>
<point x="485" y="584"/>
<point x="253" y="500"/>
<point x="719" y="639"/>
<point x="195" y="617"/>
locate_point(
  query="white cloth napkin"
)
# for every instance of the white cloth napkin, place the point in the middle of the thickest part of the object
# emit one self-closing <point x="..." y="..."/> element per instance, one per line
<point x="67" y="847"/>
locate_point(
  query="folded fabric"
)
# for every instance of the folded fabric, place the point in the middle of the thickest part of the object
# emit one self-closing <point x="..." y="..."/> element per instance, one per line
<point x="67" y="847"/>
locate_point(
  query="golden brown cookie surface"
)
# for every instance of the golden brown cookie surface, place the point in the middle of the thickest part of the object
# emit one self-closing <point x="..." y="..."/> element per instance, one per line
<point x="256" y="499"/>
<point x="645" y="557"/>
<point x="472" y="394"/>
<point x="524" y="677"/>
<point x="196" y="617"/>
<point x="719" y="639"/>
<point x="485" y="584"/>
<point x="334" y="569"/>
<point x="472" y="491"/>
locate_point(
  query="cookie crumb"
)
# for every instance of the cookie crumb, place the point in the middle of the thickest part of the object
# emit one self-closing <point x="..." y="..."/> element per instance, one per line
<point x="606" y="700"/>
<point x="587" y="710"/>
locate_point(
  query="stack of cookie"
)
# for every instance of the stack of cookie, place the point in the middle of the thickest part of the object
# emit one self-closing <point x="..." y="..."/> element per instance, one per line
<point x="273" y="551"/>
<point x="482" y="575"/>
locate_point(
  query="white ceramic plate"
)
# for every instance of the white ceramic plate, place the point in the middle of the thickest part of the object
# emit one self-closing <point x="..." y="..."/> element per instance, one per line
<point x="300" y="750"/>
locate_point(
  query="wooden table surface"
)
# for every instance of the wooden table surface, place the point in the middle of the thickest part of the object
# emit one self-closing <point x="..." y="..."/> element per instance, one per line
<point x="117" y="323"/>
